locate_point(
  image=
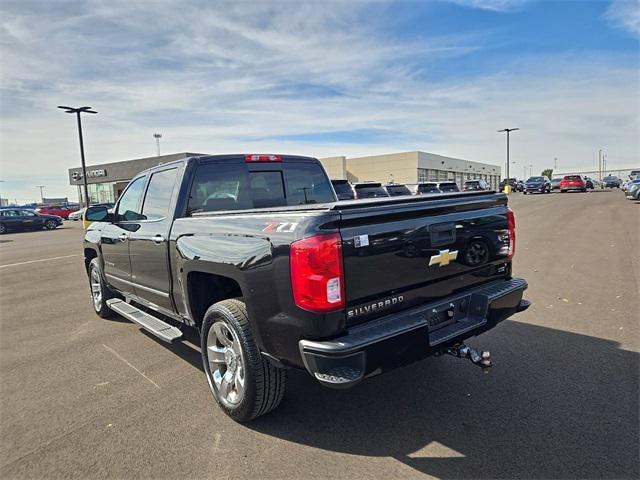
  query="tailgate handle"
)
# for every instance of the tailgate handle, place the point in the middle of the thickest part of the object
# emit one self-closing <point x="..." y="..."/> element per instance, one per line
<point x="442" y="234"/>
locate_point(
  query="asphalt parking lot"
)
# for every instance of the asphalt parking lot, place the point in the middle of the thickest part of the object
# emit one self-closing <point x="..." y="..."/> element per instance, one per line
<point x="83" y="397"/>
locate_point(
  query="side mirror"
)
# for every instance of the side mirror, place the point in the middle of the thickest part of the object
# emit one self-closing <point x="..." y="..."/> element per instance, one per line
<point x="96" y="214"/>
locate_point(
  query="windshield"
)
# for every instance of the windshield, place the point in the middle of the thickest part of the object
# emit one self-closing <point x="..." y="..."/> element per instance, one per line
<point x="573" y="177"/>
<point x="536" y="179"/>
<point x="397" y="190"/>
<point x="449" y="187"/>
<point x="370" y="190"/>
<point x="428" y="188"/>
<point x="342" y="187"/>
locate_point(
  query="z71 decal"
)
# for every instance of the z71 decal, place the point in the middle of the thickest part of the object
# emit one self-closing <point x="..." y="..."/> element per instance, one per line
<point x="280" y="227"/>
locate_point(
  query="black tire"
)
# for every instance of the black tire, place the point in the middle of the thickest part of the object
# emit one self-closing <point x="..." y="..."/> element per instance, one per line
<point x="3" y="229"/>
<point x="264" y="383"/>
<point x="95" y="275"/>
<point x="50" y="224"/>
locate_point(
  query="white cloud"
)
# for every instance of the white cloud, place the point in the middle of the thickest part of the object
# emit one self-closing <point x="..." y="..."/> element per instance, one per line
<point x="625" y="14"/>
<point x="493" y="5"/>
<point x="231" y="78"/>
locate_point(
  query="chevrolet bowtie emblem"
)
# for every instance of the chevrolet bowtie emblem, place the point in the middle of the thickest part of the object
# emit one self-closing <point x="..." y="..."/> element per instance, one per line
<point x="443" y="258"/>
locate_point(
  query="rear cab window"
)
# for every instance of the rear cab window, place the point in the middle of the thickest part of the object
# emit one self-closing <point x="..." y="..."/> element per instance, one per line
<point x="235" y="185"/>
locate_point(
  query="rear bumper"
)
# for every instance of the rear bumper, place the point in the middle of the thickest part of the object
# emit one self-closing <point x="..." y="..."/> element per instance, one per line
<point x="412" y="335"/>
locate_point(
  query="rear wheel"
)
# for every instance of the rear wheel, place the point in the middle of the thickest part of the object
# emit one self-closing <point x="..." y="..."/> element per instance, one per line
<point x="244" y="384"/>
<point x="100" y="292"/>
<point x="3" y="229"/>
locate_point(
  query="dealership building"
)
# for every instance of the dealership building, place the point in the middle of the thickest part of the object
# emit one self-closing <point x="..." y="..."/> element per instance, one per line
<point x="107" y="181"/>
<point x="410" y="167"/>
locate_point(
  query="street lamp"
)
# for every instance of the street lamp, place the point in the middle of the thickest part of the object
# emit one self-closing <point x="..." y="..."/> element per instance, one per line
<point x="157" y="136"/>
<point x="41" y="194"/>
<point x="78" y="111"/>
<point x="508" y="130"/>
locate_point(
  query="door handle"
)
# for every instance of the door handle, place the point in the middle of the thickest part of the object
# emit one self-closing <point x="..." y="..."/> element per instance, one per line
<point x="157" y="239"/>
<point x="123" y="237"/>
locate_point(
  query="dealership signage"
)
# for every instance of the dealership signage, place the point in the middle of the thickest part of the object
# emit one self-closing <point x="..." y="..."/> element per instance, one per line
<point x="99" y="172"/>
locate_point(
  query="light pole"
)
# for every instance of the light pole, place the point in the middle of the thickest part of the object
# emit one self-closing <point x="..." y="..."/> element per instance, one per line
<point x="157" y="136"/>
<point x="508" y="130"/>
<point x="78" y="111"/>
<point x="600" y="164"/>
<point x="555" y="164"/>
<point x="604" y="164"/>
<point x="2" y="181"/>
<point x="530" y="170"/>
<point x="41" y="187"/>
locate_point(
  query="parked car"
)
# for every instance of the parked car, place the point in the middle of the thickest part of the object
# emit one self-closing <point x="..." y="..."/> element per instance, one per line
<point x="590" y="183"/>
<point x="343" y="290"/>
<point x="513" y="182"/>
<point x="573" y="182"/>
<point x="58" y="210"/>
<point x="445" y="187"/>
<point x="555" y="183"/>
<point x="369" y="190"/>
<point x="540" y="184"/>
<point x="397" y="190"/>
<point x="471" y="185"/>
<point x="611" y="181"/>
<point x="343" y="189"/>
<point x="633" y="190"/>
<point x="424" y="188"/>
<point x="12" y="219"/>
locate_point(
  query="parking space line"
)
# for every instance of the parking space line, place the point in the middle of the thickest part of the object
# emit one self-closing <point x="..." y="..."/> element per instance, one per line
<point x="125" y="361"/>
<point x="40" y="260"/>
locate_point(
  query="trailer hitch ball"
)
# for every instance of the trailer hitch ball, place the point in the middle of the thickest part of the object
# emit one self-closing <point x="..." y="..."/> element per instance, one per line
<point x="482" y="359"/>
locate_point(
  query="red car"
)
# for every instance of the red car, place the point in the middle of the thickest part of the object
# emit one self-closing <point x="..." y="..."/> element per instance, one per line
<point x="573" y="182"/>
<point x="57" y="210"/>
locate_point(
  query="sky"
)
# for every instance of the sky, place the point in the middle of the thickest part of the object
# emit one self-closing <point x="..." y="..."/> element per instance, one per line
<point x="316" y="78"/>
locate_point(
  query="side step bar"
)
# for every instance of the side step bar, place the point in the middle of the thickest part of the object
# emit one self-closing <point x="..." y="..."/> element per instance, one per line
<point x="153" y="325"/>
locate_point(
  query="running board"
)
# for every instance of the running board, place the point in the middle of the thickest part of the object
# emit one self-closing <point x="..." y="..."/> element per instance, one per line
<point x="153" y="325"/>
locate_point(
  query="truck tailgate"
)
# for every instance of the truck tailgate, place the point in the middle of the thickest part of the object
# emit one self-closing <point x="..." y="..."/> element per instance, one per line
<point x="403" y="252"/>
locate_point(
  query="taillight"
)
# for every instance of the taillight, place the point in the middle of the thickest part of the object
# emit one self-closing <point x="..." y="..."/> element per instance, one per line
<point x="317" y="278"/>
<point x="259" y="157"/>
<point x="511" y="226"/>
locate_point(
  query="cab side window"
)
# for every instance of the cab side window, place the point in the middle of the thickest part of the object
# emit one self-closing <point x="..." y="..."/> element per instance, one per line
<point x="129" y="206"/>
<point x="158" y="198"/>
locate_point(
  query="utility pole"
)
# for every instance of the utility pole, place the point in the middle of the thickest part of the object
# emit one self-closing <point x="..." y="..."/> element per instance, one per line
<point x="157" y="136"/>
<point x="508" y="130"/>
<point x="555" y="164"/>
<point x="530" y="170"/>
<point x="78" y="111"/>
<point x="604" y="164"/>
<point x="41" y="194"/>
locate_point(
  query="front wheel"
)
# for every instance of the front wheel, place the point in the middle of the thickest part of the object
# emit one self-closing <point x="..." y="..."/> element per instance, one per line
<point x="244" y="384"/>
<point x="50" y="224"/>
<point x="100" y="292"/>
<point x="3" y="229"/>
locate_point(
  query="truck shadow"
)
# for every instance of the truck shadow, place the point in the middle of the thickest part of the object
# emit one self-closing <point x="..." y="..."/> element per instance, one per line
<point x="556" y="405"/>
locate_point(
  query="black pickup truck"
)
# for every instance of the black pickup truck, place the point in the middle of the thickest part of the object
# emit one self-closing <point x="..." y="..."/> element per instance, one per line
<point x="257" y="254"/>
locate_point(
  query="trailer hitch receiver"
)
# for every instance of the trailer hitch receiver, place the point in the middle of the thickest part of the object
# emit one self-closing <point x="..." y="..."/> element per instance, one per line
<point x="481" y="359"/>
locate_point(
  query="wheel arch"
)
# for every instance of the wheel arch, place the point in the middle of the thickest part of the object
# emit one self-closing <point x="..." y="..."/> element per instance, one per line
<point x="206" y="288"/>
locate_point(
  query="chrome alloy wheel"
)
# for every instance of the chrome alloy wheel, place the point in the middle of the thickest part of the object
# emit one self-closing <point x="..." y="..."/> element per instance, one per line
<point x="96" y="289"/>
<point x="226" y="363"/>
